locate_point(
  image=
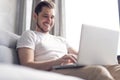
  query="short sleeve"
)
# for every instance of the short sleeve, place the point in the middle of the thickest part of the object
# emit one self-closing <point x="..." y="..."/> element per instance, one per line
<point x="27" y="39"/>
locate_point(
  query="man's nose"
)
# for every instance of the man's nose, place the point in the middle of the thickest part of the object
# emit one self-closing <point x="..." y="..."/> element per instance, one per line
<point x="49" y="19"/>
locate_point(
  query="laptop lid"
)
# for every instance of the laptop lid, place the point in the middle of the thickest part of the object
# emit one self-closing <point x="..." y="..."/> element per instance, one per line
<point x="98" y="46"/>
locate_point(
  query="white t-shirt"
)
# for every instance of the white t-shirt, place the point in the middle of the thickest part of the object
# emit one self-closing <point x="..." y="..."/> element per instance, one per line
<point x="45" y="46"/>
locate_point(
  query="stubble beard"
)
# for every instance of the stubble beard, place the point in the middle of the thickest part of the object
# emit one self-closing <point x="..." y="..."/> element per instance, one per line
<point x="42" y="30"/>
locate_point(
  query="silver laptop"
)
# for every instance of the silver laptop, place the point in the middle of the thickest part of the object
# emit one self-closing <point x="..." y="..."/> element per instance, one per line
<point x="98" y="46"/>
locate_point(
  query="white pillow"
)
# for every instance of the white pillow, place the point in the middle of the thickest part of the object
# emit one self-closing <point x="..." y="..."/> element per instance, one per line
<point x="8" y="55"/>
<point x="8" y="38"/>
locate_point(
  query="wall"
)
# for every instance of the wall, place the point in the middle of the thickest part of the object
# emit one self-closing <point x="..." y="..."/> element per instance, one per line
<point x="8" y="15"/>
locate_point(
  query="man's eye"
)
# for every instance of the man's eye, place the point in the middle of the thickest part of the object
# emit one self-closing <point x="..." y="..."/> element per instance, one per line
<point x="52" y="17"/>
<point x="45" y="16"/>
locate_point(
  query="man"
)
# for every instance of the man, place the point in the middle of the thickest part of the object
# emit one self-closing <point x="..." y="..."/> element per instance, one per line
<point x="40" y="50"/>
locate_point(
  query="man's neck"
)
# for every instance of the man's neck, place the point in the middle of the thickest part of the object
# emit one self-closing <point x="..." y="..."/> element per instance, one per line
<point x="39" y="30"/>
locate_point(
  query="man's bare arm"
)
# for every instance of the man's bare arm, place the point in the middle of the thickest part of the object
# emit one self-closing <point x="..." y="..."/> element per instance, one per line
<point x="26" y="56"/>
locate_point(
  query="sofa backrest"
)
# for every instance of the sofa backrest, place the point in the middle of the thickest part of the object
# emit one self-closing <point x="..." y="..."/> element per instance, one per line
<point x="8" y="53"/>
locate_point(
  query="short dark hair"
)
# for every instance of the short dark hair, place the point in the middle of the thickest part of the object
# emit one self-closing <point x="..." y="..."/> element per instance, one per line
<point x="42" y="4"/>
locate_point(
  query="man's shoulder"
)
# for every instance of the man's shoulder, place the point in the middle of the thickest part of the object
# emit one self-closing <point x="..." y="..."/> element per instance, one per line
<point x="29" y="32"/>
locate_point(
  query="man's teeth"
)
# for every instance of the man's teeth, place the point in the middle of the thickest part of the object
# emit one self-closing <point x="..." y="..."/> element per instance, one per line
<point x="46" y="24"/>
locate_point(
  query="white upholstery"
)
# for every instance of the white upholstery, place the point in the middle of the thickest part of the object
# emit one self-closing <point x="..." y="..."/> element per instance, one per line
<point x="8" y="55"/>
<point x="8" y="39"/>
<point x="14" y="72"/>
<point x="8" y="47"/>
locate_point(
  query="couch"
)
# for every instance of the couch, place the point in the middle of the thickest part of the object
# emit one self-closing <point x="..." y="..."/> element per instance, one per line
<point x="10" y="68"/>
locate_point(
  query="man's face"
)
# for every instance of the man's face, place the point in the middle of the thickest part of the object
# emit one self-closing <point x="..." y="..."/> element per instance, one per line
<point x="45" y="19"/>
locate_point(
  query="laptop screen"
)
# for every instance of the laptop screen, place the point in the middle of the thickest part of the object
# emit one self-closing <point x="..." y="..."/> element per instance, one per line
<point x="98" y="46"/>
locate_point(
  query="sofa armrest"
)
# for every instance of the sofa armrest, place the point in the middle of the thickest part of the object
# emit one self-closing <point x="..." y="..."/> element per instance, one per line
<point x="16" y="72"/>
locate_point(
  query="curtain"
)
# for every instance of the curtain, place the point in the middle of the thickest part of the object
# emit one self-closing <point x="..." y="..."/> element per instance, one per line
<point x="23" y="17"/>
<point x="59" y="28"/>
<point x="119" y="9"/>
<point x="20" y="19"/>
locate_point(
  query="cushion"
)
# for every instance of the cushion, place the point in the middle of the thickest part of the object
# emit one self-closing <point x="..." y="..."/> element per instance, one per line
<point x="8" y="39"/>
<point x="8" y="55"/>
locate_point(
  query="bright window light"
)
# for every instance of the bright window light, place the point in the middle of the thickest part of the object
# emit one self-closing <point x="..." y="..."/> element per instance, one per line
<point x="103" y="13"/>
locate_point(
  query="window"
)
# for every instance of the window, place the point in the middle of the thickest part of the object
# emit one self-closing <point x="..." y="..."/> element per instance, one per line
<point x="102" y="13"/>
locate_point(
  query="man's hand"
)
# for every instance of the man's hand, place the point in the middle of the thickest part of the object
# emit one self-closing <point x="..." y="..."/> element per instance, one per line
<point x="68" y="59"/>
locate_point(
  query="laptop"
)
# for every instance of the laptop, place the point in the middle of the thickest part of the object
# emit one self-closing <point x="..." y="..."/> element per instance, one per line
<point x="98" y="46"/>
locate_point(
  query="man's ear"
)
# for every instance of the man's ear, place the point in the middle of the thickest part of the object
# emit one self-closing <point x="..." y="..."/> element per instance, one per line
<point x="35" y="16"/>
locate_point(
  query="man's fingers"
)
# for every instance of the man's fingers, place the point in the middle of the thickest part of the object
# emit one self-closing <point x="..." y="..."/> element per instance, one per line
<point x="70" y="57"/>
